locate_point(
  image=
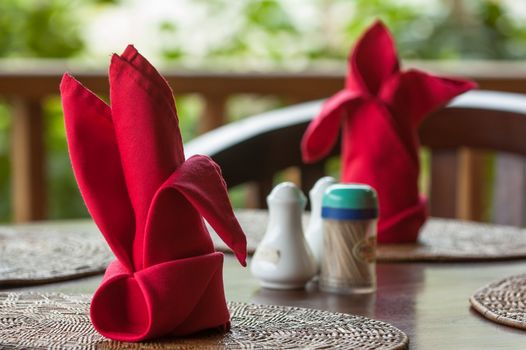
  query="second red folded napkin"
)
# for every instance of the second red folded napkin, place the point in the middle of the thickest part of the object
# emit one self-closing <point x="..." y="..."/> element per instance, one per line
<point x="149" y="203"/>
<point x="379" y="110"/>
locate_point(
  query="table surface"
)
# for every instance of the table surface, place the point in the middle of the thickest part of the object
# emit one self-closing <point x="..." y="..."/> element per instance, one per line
<point x="428" y="301"/>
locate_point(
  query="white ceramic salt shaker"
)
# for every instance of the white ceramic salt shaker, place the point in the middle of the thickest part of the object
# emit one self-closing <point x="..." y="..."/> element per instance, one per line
<point x="314" y="233"/>
<point x="283" y="259"/>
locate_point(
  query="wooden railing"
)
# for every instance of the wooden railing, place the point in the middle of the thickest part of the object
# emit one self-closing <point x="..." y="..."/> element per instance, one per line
<point x="25" y="84"/>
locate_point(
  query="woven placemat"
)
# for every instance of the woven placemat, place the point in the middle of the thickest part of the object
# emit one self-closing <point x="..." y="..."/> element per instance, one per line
<point x="440" y="240"/>
<point x="454" y="240"/>
<point x="59" y="321"/>
<point x="503" y="301"/>
<point x="40" y="253"/>
<point x="33" y="254"/>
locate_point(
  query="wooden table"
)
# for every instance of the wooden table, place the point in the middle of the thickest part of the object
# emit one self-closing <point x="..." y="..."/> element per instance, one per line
<point x="428" y="301"/>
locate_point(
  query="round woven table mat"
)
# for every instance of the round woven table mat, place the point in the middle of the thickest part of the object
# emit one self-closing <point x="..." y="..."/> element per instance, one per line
<point x="60" y="321"/>
<point x="503" y="301"/>
<point x="33" y="254"/>
<point x="440" y="240"/>
<point x="50" y="252"/>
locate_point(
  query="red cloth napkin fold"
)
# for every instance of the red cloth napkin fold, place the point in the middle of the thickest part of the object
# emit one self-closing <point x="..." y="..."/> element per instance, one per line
<point x="379" y="110"/>
<point x="149" y="203"/>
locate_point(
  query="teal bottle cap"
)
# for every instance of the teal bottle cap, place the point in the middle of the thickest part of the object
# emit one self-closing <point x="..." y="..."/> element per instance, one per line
<point x="350" y="200"/>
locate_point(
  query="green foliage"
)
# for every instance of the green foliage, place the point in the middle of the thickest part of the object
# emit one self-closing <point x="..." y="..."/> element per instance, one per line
<point x="188" y="108"/>
<point x="269" y="15"/>
<point x="264" y="29"/>
<point x="64" y="199"/>
<point x="484" y="31"/>
<point x="4" y="162"/>
<point x="43" y="29"/>
<point x="245" y="34"/>
<point x="474" y="30"/>
<point x="275" y="33"/>
<point x="31" y="28"/>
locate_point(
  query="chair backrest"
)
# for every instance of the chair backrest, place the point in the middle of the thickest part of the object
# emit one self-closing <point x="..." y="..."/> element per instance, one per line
<point x="256" y="148"/>
<point x="478" y="144"/>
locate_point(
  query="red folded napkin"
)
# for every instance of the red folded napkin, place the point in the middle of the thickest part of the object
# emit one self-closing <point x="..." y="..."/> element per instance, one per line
<point x="149" y="203"/>
<point x="379" y="110"/>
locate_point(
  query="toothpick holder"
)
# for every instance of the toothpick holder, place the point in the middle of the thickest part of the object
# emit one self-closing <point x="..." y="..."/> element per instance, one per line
<point x="349" y="213"/>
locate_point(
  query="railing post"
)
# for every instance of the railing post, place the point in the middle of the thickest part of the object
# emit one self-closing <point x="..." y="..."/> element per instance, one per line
<point x="28" y="196"/>
<point x="443" y="191"/>
<point x="472" y="184"/>
<point x="509" y="196"/>
<point x="214" y="113"/>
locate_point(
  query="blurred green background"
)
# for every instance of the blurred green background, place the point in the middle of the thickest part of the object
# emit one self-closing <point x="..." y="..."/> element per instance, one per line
<point x="292" y="35"/>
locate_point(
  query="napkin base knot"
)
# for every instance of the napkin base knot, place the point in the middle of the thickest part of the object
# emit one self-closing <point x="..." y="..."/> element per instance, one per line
<point x="404" y="226"/>
<point x="174" y="298"/>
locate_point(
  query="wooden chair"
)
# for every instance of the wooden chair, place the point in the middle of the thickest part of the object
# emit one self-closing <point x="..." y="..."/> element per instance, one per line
<point x="462" y="137"/>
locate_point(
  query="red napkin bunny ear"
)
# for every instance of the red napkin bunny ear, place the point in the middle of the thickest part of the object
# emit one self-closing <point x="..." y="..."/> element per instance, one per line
<point x="134" y="58"/>
<point x="150" y="149"/>
<point x="90" y="133"/>
<point x="372" y="61"/>
<point x="417" y="94"/>
<point x="196" y="186"/>
<point x="201" y="183"/>
<point x="322" y="133"/>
